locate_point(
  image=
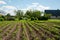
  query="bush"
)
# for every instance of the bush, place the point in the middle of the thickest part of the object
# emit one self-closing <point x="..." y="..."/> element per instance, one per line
<point x="1" y="19"/>
<point x="10" y="19"/>
<point x="32" y="18"/>
<point x="42" y="18"/>
<point x="35" y="18"/>
<point x="20" y="18"/>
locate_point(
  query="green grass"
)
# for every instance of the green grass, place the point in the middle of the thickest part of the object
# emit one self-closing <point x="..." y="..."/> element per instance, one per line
<point x="54" y="20"/>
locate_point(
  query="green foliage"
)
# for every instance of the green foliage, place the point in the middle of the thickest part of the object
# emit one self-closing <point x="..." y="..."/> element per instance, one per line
<point x="2" y="17"/>
<point x="47" y="15"/>
<point x="36" y="14"/>
<point x="28" y="14"/>
<point x="29" y="29"/>
<point x="20" y="18"/>
<point x="19" y="14"/>
<point x="8" y="17"/>
<point x="32" y="18"/>
<point x="42" y="18"/>
<point x="32" y="15"/>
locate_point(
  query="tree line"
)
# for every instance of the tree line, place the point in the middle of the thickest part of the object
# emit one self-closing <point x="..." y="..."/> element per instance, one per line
<point x="29" y="15"/>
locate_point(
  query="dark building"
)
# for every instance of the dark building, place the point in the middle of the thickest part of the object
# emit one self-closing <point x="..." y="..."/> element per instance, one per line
<point x="55" y="13"/>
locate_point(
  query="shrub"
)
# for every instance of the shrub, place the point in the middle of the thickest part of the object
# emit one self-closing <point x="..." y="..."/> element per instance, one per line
<point x="20" y="18"/>
<point x="32" y="18"/>
<point x="35" y="18"/>
<point x="10" y="19"/>
<point x="1" y="19"/>
<point x="42" y="18"/>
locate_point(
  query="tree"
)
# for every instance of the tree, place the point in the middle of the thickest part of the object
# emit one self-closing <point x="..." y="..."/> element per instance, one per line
<point x="45" y="17"/>
<point x="19" y="14"/>
<point x="36" y="14"/>
<point x="8" y="17"/>
<point x="28" y="14"/>
<point x="33" y="14"/>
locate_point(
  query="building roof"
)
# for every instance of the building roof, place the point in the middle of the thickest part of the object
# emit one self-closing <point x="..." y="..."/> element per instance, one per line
<point x="53" y="12"/>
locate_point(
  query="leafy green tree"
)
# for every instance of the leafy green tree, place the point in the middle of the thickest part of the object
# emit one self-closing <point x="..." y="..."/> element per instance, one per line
<point x="36" y="14"/>
<point x="33" y="14"/>
<point x="7" y="16"/>
<point x="28" y="14"/>
<point x="19" y="14"/>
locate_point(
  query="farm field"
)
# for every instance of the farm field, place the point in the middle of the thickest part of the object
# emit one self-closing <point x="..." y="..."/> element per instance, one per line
<point x="29" y="30"/>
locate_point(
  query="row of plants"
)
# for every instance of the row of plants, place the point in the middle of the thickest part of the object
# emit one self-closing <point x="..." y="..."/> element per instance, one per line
<point x="45" y="35"/>
<point x="9" y="35"/>
<point x="6" y="29"/>
<point x="32" y="32"/>
<point x="53" y="30"/>
<point x="29" y="30"/>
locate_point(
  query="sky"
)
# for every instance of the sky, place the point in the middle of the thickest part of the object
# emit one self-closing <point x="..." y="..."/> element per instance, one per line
<point x="10" y="5"/>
